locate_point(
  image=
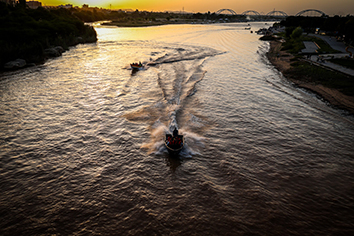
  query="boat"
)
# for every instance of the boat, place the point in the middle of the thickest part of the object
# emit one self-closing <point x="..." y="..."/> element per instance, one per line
<point x="174" y="143"/>
<point x="137" y="66"/>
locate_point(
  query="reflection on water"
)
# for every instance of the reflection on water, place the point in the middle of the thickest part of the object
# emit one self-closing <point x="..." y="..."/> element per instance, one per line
<point x="82" y="141"/>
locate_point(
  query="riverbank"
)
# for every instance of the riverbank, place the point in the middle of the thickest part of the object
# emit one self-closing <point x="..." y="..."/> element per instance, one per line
<point x="284" y="62"/>
<point x="147" y="23"/>
<point x="31" y="36"/>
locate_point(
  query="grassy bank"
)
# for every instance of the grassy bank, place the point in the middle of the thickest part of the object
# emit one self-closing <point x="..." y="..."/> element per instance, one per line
<point x="25" y="33"/>
<point x="306" y="72"/>
<point x="335" y="87"/>
<point x="295" y="45"/>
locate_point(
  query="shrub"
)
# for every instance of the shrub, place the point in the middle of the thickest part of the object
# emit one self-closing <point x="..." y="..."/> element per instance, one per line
<point x="296" y="33"/>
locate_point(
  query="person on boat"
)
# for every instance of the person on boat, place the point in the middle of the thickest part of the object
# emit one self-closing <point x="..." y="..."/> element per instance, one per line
<point x="140" y="64"/>
<point x="176" y="139"/>
<point x="175" y="132"/>
<point x="168" y="140"/>
<point x="179" y="141"/>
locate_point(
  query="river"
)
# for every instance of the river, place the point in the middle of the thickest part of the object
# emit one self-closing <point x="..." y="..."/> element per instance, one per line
<point x="81" y="140"/>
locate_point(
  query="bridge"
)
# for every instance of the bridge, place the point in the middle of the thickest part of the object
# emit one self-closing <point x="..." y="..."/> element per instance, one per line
<point x="277" y="13"/>
<point x="308" y="12"/>
<point x="229" y="12"/>
<point x="250" y="13"/>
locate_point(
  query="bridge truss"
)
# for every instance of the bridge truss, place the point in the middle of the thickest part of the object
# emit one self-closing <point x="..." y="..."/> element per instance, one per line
<point x="250" y="13"/>
<point x="310" y="12"/>
<point x="277" y="13"/>
<point x="229" y="12"/>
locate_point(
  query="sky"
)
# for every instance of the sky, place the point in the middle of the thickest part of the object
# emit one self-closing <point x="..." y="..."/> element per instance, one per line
<point x="291" y="7"/>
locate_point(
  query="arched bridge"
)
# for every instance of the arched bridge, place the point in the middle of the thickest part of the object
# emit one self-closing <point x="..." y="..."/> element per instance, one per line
<point x="229" y="11"/>
<point x="277" y="13"/>
<point x="308" y="12"/>
<point x="250" y="13"/>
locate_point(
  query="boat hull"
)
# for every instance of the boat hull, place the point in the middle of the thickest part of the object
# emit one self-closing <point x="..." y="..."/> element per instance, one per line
<point x="136" y="67"/>
<point x="174" y="150"/>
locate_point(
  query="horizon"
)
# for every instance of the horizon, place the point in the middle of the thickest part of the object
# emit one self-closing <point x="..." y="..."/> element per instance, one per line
<point x="290" y="7"/>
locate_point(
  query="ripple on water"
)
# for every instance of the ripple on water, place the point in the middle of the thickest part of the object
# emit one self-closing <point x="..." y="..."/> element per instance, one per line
<point x="82" y="147"/>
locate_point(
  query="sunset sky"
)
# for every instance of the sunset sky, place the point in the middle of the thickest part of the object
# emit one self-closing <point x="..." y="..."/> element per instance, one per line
<point x="291" y="7"/>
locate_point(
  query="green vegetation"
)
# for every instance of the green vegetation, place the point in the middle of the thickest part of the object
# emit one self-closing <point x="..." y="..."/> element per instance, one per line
<point x="306" y="72"/>
<point x="25" y="33"/>
<point x="143" y="18"/>
<point x="296" y="33"/>
<point x="324" y="47"/>
<point x="122" y="17"/>
<point x="295" y="45"/>
<point x="334" y="26"/>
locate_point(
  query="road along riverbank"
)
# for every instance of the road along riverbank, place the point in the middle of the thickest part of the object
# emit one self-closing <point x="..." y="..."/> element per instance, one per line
<point x="283" y="62"/>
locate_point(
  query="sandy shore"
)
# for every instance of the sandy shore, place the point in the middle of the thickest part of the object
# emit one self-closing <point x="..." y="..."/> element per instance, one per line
<point x="281" y="61"/>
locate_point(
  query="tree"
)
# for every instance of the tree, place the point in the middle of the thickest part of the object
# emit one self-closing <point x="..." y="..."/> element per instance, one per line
<point x="296" y="33"/>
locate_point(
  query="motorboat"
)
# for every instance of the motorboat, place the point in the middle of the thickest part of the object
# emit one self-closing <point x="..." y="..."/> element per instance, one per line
<point x="137" y="66"/>
<point x="174" y="143"/>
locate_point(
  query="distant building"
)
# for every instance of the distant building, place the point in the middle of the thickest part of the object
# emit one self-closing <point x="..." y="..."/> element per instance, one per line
<point x="85" y="6"/>
<point x="33" y="4"/>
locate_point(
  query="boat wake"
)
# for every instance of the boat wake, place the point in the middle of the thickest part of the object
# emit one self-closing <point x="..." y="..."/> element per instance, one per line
<point x="177" y="72"/>
<point x="188" y="53"/>
<point x="156" y="146"/>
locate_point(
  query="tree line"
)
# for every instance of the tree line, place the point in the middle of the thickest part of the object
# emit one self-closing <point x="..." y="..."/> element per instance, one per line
<point x="341" y="27"/>
<point x="25" y="33"/>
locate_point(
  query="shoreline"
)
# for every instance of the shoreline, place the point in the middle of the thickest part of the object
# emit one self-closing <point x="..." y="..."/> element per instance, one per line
<point x="151" y="23"/>
<point x="281" y="60"/>
<point x="35" y="35"/>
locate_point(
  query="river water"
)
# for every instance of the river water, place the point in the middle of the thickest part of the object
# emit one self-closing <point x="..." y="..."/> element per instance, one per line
<point x="81" y="140"/>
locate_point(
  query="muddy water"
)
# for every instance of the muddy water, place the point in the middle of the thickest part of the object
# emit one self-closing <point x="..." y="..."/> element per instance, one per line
<point x="82" y="141"/>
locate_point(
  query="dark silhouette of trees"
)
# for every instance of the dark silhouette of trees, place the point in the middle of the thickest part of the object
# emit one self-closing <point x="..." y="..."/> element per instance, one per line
<point x="334" y="26"/>
<point x="25" y="33"/>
